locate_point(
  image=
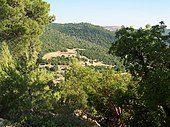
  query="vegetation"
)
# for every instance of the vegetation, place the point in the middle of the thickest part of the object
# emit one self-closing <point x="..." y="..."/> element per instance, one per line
<point x="25" y="92"/>
<point x="146" y="54"/>
<point x="135" y="93"/>
<point x="95" y="91"/>
<point x="92" y="33"/>
<point x="53" y="40"/>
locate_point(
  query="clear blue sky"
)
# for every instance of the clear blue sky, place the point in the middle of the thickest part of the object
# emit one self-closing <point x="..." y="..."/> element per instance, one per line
<point x="135" y="13"/>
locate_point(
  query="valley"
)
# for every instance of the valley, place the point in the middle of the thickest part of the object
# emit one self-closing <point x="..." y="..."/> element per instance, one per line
<point x="80" y="74"/>
<point x="95" y="41"/>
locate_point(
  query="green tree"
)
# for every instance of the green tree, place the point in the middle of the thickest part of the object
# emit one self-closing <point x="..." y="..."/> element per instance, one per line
<point x="146" y="54"/>
<point x="22" y="22"/>
<point x="101" y="92"/>
<point x="23" y="94"/>
<point x="25" y="89"/>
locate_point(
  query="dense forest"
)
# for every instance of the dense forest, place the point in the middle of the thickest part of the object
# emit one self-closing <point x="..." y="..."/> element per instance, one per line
<point x="88" y="32"/>
<point x="97" y="44"/>
<point x="138" y="95"/>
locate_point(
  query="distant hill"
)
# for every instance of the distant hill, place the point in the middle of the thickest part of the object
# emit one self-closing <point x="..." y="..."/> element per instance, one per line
<point x="85" y="31"/>
<point x="57" y="38"/>
<point x="112" y="28"/>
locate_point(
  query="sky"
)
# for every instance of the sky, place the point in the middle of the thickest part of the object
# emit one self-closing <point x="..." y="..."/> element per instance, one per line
<point x="136" y="13"/>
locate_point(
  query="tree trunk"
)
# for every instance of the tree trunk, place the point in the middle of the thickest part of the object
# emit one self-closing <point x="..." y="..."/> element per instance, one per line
<point x="167" y="111"/>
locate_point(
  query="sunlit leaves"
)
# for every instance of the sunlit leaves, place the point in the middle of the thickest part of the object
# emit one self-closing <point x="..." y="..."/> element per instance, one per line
<point x="99" y="91"/>
<point x="26" y="90"/>
<point x="146" y="54"/>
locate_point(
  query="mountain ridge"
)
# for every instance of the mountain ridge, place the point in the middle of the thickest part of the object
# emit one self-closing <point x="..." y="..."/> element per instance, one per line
<point x="86" y="31"/>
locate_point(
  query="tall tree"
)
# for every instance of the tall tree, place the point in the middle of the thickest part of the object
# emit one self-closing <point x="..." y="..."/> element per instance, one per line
<point x="146" y="53"/>
<point x="22" y="22"/>
<point x="25" y="89"/>
<point x="101" y="91"/>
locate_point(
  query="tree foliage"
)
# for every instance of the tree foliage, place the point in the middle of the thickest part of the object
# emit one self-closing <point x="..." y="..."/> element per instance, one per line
<point x="28" y="96"/>
<point x="22" y="22"/>
<point x="85" y="31"/>
<point x="146" y="53"/>
<point x="23" y="93"/>
<point x="25" y="89"/>
<point x="100" y="92"/>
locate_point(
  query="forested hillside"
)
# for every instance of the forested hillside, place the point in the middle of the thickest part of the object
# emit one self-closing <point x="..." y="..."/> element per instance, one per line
<point x="93" y="33"/>
<point x="54" y="40"/>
